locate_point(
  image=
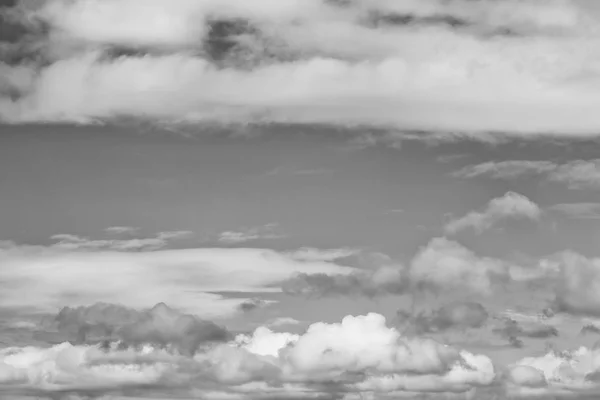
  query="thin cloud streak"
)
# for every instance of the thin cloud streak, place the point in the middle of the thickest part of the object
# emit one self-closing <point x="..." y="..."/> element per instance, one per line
<point x="577" y="174"/>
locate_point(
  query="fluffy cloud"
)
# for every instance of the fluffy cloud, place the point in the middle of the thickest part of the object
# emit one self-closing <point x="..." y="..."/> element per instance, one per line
<point x="441" y="265"/>
<point x="577" y="174"/>
<point x="447" y="265"/>
<point x="54" y="277"/>
<point x="359" y="355"/>
<point x="568" y="373"/>
<point x="578" y="284"/>
<point x="511" y="205"/>
<point x="522" y="67"/>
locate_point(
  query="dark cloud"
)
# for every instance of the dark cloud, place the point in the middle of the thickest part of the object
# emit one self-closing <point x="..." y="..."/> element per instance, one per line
<point x="456" y="315"/>
<point x="379" y="282"/>
<point x="161" y="325"/>
<point x="513" y="331"/>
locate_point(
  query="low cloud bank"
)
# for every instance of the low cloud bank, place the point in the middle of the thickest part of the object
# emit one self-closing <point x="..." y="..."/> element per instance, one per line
<point x="359" y="355"/>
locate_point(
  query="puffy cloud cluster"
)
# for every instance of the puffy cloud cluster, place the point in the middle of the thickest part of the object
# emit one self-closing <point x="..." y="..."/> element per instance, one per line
<point x="567" y="373"/>
<point x="510" y="205"/>
<point x="514" y="66"/>
<point x="159" y="326"/>
<point x="359" y="355"/>
<point x="441" y="265"/>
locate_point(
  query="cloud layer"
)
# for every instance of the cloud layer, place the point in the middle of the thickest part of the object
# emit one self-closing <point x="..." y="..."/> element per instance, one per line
<point x="521" y="67"/>
<point x="74" y="275"/>
<point x="358" y="356"/>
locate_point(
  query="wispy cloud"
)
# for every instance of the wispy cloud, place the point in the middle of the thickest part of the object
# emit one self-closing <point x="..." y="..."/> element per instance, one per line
<point x="266" y="232"/>
<point x="161" y="240"/>
<point x="521" y="67"/>
<point x="510" y="205"/>
<point x="55" y="276"/>
<point x="577" y="174"/>
<point x="578" y="210"/>
<point x="120" y="230"/>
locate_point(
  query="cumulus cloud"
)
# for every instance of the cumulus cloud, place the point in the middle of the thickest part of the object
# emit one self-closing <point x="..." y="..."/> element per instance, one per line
<point x="577" y="174"/>
<point x="522" y="67"/>
<point x="187" y="278"/>
<point x="510" y="205"/>
<point x="359" y="355"/>
<point x="441" y="265"/>
<point x="447" y="265"/>
<point x="578" y="284"/>
<point x="567" y="373"/>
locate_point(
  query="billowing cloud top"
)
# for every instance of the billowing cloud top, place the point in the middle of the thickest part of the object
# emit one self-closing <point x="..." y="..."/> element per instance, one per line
<point x="522" y="67"/>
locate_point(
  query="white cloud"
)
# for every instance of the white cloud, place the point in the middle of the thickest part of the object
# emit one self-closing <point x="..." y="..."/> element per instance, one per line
<point x="243" y="235"/>
<point x="578" y="284"/>
<point x="359" y="355"/>
<point x="119" y="230"/>
<point x="505" y="169"/>
<point x="576" y="174"/>
<point x="569" y="374"/>
<point x="56" y="276"/>
<point x="315" y="254"/>
<point x="445" y="265"/>
<point x="510" y="205"/>
<point x="161" y="240"/>
<point x="315" y="62"/>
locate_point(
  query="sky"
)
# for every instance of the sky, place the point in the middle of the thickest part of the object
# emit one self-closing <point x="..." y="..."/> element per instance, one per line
<point x="284" y="199"/>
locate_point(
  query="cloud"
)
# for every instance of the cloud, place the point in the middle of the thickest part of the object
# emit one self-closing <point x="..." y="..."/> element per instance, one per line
<point x="521" y="67"/>
<point x="161" y="240"/>
<point x="509" y="169"/>
<point x="120" y="230"/>
<point x="577" y="174"/>
<point x="577" y="287"/>
<point x="564" y="374"/>
<point x="510" y="205"/>
<point x="360" y="355"/>
<point x="315" y="254"/>
<point x="57" y="276"/>
<point x="455" y="315"/>
<point x="159" y="326"/>
<point x="266" y="232"/>
<point x="386" y="280"/>
<point x="441" y="265"/>
<point x="444" y="265"/>
<point x="578" y="210"/>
